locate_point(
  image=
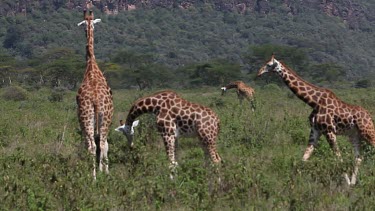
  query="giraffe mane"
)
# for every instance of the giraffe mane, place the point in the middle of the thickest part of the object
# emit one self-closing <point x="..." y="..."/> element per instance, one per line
<point x="311" y="84"/>
<point x="237" y="82"/>
<point x="155" y="93"/>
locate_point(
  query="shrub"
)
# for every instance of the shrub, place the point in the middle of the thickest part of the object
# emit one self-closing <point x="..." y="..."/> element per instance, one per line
<point x="57" y="94"/>
<point x="271" y="87"/>
<point x="15" y="93"/>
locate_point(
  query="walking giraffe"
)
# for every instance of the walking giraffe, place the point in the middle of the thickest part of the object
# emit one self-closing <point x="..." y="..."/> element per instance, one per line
<point x="175" y="116"/>
<point x="330" y="115"/>
<point x="94" y="100"/>
<point x="243" y="92"/>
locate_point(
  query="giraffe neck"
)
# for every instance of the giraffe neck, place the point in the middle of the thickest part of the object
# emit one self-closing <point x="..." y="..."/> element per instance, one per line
<point x="304" y="90"/>
<point x="145" y="105"/>
<point x="90" y="56"/>
<point x="158" y="102"/>
<point x="92" y="70"/>
<point x="231" y="86"/>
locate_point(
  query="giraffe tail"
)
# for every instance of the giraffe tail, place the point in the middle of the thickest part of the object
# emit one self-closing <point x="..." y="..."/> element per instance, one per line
<point x="98" y="121"/>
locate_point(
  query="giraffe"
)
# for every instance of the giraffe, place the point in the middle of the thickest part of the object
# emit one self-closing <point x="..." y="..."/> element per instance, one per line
<point x="243" y="92"/>
<point x="94" y="100"/>
<point x="330" y="115"/>
<point x="175" y="117"/>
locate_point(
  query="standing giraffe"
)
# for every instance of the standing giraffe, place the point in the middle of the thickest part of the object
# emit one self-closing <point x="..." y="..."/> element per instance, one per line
<point x="330" y="115"/>
<point x="94" y="100"/>
<point x="243" y="92"/>
<point x="174" y="117"/>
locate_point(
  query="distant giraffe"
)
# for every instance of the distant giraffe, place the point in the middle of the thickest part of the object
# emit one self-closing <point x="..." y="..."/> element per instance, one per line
<point x="143" y="84"/>
<point x="243" y="92"/>
<point x="94" y="100"/>
<point x="176" y="116"/>
<point x="330" y="115"/>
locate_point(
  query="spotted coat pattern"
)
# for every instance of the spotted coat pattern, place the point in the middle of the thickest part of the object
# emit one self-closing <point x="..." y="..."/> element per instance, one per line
<point x="95" y="105"/>
<point x="176" y="117"/>
<point x="243" y="92"/>
<point x="330" y="116"/>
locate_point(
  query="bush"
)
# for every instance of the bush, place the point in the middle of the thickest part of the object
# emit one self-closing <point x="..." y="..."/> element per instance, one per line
<point x="57" y="94"/>
<point x="272" y="87"/>
<point x="15" y="93"/>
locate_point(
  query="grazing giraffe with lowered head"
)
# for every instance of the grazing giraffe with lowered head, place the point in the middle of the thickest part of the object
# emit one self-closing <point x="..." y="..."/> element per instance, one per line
<point x="243" y="92"/>
<point x="330" y="115"/>
<point x="94" y="100"/>
<point x="175" y="117"/>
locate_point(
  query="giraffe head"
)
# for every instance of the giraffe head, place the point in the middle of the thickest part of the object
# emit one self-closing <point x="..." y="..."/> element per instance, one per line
<point x="223" y="90"/>
<point x="89" y="20"/>
<point x="271" y="66"/>
<point x="128" y="130"/>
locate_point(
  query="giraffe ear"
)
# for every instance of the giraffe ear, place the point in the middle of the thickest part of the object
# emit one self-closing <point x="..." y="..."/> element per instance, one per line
<point x="120" y="129"/>
<point x="97" y="21"/>
<point x="80" y="23"/>
<point x="135" y="123"/>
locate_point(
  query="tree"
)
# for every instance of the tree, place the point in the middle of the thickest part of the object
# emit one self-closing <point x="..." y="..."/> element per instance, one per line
<point x="13" y="36"/>
<point x="295" y="58"/>
<point x="326" y="72"/>
<point x="214" y="73"/>
<point x="7" y="66"/>
<point x="60" y="67"/>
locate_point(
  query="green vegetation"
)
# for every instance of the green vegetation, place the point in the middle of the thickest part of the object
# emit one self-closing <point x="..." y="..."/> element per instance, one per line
<point x="147" y="42"/>
<point x="44" y="164"/>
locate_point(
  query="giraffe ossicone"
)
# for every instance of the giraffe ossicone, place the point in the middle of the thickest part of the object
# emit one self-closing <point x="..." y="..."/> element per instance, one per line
<point x="330" y="116"/>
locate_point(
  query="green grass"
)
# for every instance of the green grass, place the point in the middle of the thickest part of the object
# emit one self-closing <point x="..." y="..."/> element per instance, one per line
<point x="44" y="165"/>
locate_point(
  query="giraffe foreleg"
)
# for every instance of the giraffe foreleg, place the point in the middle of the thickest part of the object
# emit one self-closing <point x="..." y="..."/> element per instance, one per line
<point x="313" y="140"/>
<point x="331" y="138"/>
<point x="169" y="142"/>
<point x="209" y="147"/>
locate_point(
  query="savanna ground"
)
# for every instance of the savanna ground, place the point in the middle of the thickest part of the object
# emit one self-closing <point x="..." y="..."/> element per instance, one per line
<point x="44" y="165"/>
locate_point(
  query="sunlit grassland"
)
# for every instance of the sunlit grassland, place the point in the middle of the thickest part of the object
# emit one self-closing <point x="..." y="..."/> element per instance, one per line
<point x="44" y="164"/>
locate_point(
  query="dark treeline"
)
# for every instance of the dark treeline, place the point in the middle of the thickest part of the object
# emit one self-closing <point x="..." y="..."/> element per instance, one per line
<point x="166" y="48"/>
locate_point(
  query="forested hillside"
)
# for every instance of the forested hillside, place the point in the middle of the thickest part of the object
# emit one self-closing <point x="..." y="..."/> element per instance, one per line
<point x="187" y="43"/>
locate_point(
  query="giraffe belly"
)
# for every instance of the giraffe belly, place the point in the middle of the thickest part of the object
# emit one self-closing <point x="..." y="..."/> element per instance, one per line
<point x="185" y="132"/>
<point x="346" y="131"/>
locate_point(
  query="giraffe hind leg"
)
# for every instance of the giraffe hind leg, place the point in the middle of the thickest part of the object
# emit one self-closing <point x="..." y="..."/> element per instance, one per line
<point x="210" y="152"/>
<point x="87" y="128"/>
<point x="102" y="152"/>
<point x="169" y="142"/>
<point x="313" y="140"/>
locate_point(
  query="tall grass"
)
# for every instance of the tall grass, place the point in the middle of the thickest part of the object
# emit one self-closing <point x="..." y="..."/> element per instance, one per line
<point x="44" y="165"/>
